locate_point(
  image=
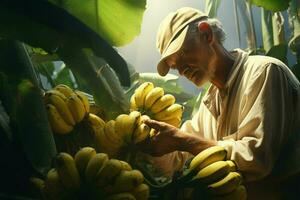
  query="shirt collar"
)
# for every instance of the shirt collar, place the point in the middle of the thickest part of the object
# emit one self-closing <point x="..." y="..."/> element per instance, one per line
<point x="240" y="58"/>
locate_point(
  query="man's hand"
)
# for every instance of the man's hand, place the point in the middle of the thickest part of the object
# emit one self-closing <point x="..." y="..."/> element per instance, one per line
<point x="166" y="139"/>
<point x="169" y="138"/>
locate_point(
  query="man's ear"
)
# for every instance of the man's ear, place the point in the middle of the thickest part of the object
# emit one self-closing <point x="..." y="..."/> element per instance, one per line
<point x="206" y="30"/>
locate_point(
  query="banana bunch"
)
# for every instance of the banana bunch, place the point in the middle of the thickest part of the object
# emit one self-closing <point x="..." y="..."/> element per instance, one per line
<point x="218" y="175"/>
<point x="65" y="108"/>
<point x="92" y="175"/>
<point x="121" y="132"/>
<point x="155" y="103"/>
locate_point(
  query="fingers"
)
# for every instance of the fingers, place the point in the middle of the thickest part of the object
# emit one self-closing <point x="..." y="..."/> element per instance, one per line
<point x="155" y="124"/>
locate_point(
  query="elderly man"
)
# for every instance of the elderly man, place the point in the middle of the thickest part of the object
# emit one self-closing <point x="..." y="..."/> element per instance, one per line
<point x="251" y="108"/>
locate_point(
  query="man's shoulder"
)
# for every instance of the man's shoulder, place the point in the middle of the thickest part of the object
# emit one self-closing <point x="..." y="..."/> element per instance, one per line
<point x="256" y="65"/>
<point x="259" y="63"/>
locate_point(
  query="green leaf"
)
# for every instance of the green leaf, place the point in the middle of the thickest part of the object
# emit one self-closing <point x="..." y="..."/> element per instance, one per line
<point x="279" y="52"/>
<point x="118" y="21"/>
<point x="27" y="22"/>
<point x="266" y="28"/>
<point x="27" y="110"/>
<point x="4" y="123"/>
<point x="168" y="82"/>
<point x="246" y="17"/>
<point x="273" y="5"/>
<point x="83" y="65"/>
<point x="294" y="22"/>
<point x="64" y="76"/>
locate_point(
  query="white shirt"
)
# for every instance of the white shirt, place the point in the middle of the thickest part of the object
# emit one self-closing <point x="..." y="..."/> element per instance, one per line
<point x="255" y="118"/>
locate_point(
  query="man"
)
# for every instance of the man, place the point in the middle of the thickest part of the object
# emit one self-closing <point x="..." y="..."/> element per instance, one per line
<point x="251" y="108"/>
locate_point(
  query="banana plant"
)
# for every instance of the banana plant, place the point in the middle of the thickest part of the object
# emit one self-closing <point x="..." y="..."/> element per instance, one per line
<point x="67" y="36"/>
<point x="22" y="98"/>
<point x="274" y="5"/>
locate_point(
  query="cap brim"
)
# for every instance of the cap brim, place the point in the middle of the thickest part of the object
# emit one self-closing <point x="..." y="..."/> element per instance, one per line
<point x="162" y="67"/>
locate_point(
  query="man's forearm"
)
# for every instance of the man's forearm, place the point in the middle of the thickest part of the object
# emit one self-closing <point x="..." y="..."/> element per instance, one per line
<point x="195" y="144"/>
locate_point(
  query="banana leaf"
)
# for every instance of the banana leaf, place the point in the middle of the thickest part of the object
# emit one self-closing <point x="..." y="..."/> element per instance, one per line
<point x="104" y="96"/>
<point x="64" y="76"/>
<point x="246" y="15"/>
<point x="118" y="22"/>
<point x="25" y="107"/>
<point x="273" y="5"/>
<point x="211" y="7"/>
<point x="273" y="35"/>
<point x="44" y="25"/>
<point x="4" y="124"/>
<point x="294" y="22"/>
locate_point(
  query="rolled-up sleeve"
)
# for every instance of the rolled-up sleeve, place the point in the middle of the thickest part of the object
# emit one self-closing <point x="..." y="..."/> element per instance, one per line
<point x="265" y="121"/>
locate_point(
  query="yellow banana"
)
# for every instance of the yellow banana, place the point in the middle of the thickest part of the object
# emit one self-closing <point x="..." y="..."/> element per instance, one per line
<point x="124" y="127"/>
<point x="66" y="90"/>
<point x="162" y="103"/>
<point x="121" y="196"/>
<point x="153" y="96"/>
<point x="84" y="100"/>
<point x="54" y="92"/>
<point x="111" y="135"/>
<point x="95" y="122"/>
<point x="141" y="192"/>
<point x="152" y="132"/>
<point x="143" y="118"/>
<point x="141" y="133"/>
<point x="127" y="181"/>
<point x="94" y="165"/>
<point x="109" y="172"/>
<point x="132" y="103"/>
<point x="175" y="110"/>
<point x="226" y="185"/>
<point x="82" y="157"/>
<point x="37" y="182"/>
<point x="207" y="157"/>
<point x="141" y="92"/>
<point x="136" y="115"/>
<point x="213" y="172"/>
<point x="56" y="121"/>
<point x="53" y="185"/>
<point x="232" y="165"/>
<point x="240" y="193"/>
<point x="103" y="144"/>
<point x="125" y="165"/>
<point x="67" y="171"/>
<point x="61" y="106"/>
<point x="76" y="107"/>
<point x="176" y="121"/>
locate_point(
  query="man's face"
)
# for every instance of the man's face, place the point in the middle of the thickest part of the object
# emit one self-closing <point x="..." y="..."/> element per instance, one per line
<point x="191" y="61"/>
